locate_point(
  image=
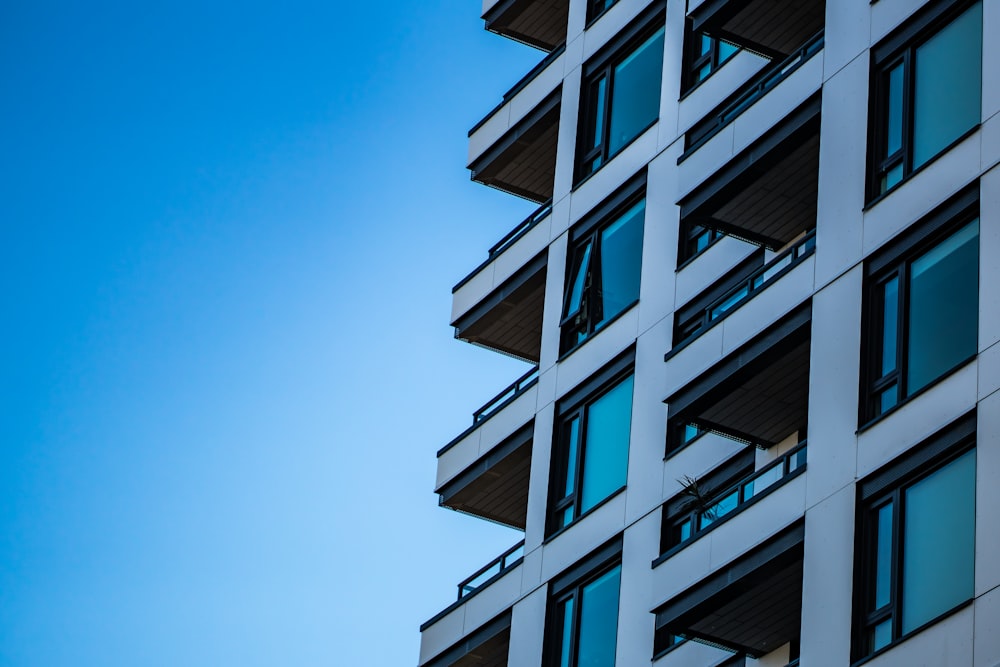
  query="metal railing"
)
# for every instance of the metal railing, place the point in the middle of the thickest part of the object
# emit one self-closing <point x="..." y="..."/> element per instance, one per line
<point x="749" y="287"/>
<point x="520" y="85"/>
<point x="509" y="239"/>
<point x="772" y="75"/>
<point x="491" y="570"/>
<point x="739" y="494"/>
<point x="517" y="388"/>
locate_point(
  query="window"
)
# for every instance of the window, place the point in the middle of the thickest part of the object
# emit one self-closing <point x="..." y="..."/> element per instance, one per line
<point x="603" y="278"/>
<point x="695" y="240"/>
<point x="597" y="7"/>
<point x="620" y="99"/>
<point x="703" y="55"/>
<point x="916" y="537"/>
<point x="927" y="91"/>
<point x="582" y="626"/>
<point x="592" y="440"/>
<point x="923" y="312"/>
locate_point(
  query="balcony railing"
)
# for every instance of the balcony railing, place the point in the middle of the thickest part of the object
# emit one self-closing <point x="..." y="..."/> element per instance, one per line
<point x="509" y="239"/>
<point x="745" y="290"/>
<point x="737" y="496"/>
<point x="520" y="85"/>
<point x="519" y="386"/>
<point x="768" y="79"/>
<point x="492" y="570"/>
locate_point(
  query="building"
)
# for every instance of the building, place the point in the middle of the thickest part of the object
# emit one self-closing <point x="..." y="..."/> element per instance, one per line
<point x="761" y="299"/>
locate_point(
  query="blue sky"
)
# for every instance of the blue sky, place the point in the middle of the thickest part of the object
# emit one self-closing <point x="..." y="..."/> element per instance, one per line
<point x="228" y="234"/>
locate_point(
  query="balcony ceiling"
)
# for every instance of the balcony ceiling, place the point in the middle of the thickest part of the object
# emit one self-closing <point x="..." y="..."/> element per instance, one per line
<point x="774" y="28"/>
<point x="539" y="23"/>
<point x="491" y="653"/>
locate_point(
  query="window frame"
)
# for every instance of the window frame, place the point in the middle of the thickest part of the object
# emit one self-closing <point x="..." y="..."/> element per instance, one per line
<point x="573" y="406"/>
<point x="899" y="49"/>
<point x="601" y="68"/>
<point x="894" y="262"/>
<point x="694" y="59"/>
<point x="597" y="8"/>
<point x="889" y="485"/>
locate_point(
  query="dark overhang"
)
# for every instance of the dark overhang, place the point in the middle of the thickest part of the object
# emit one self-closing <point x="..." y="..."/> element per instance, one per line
<point x="486" y="647"/>
<point x="774" y="28"/>
<point x="767" y="194"/>
<point x="538" y="23"/>
<point x="751" y="606"/>
<point x="509" y="319"/>
<point x="523" y="161"/>
<point x="759" y="394"/>
<point x="496" y="486"/>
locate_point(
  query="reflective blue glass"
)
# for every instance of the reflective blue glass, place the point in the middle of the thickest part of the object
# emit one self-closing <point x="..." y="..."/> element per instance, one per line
<point x="890" y="321"/>
<point x="605" y="463"/>
<point x="573" y="436"/>
<point x="621" y="260"/>
<point x="894" y="108"/>
<point x="565" y="649"/>
<point x="581" y="264"/>
<point x="598" y="636"/>
<point x="883" y="556"/>
<point x="635" y="96"/>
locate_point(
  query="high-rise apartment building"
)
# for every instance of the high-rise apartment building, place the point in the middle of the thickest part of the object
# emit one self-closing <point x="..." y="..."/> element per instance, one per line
<point x="761" y="299"/>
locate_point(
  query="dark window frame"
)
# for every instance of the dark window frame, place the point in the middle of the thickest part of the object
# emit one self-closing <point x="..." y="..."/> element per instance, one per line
<point x="601" y="68"/>
<point x="695" y="60"/>
<point x="893" y="262"/>
<point x="575" y="405"/>
<point x="885" y="486"/>
<point x="898" y="50"/>
<point x="598" y="8"/>
<point x="689" y="241"/>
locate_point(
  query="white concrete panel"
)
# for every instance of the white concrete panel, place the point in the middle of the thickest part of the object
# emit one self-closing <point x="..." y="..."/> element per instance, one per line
<point x="925" y="190"/>
<point x="991" y="142"/>
<point x="584" y="536"/>
<point x="827" y="573"/>
<point x="526" y="622"/>
<point x="986" y="652"/>
<point x="724" y="81"/>
<point x="442" y="635"/>
<point x="989" y="259"/>
<point x="599" y="349"/>
<point x="945" y="644"/>
<point x="649" y="430"/>
<point x="573" y="55"/>
<point x="541" y="457"/>
<point x="921" y="417"/>
<point x="559" y="218"/>
<point x="610" y="24"/>
<point x="698" y="274"/>
<point x="989" y="371"/>
<point x="546" y="387"/>
<point x="686" y="567"/>
<point x="488" y="133"/>
<point x="458" y="457"/>
<point x="616" y="171"/>
<point x="988" y="495"/>
<point x="886" y="16"/>
<point x="768" y="306"/>
<point x="552" y="309"/>
<point x="635" y="623"/>
<point x="991" y="60"/>
<point x="490" y="601"/>
<point x="569" y="112"/>
<point x="778" y="103"/>
<point x="849" y="22"/>
<point x="659" y="248"/>
<point x="673" y="58"/>
<point x="688" y="363"/>
<point x="536" y="90"/>
<point x="505" y="422"/>
<point x="839" y="221"/>
<point x="531" y="570"/>
<point x="834" y="377"/>
<point x="523" y="251"/>
<point x="705" y="161"/>
<point x="757" y="523"/>
<point x="696" y="460"/>
<point x="472" y="292"/>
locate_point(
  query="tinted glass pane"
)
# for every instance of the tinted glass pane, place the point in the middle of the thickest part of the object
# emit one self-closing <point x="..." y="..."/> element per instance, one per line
<point x="635" y="96"/>
<point x="578" y="279"/>
<point x="606" y="446"/>
<point x="883" y="556"/>
<point x="705" y="46"/>
<point x="599" y="621"/>
<point x="894" y="111"/>
<point x="882" y="635"/>
<point x="621" y="259"/>
<point x="572" y="442"/>
<point x="887" y="399"/>
<point x="726" y="50"/>
<point x="595" y="132"/>
<point x="720" y="509"/>
<point x="944" y="307"/>
<point x="565" y="648"/>
<point x="892" y="177"/>
<point x="939" y="542"/>
<point x="890" y="319"/>
<point x="948" y="85"/>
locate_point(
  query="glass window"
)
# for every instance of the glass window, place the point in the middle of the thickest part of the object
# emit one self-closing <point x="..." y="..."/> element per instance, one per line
<point x="920" y="554"/>
<point x="603" y="278"/>
<point x="620" y="100"/>
<point x="703" y="56"/>
<point x="926" y="318"/>
<point x="929" y="94"/>
<point x="586" y="619"/>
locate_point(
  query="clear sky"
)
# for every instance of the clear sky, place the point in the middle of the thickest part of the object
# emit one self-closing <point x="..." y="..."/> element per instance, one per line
<point x="228" y="235"/>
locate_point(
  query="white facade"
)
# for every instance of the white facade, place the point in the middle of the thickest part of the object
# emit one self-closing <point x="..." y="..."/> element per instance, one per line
<point x="797" y="355"/>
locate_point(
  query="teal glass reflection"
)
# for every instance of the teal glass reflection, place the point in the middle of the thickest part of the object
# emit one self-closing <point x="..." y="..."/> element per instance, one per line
<point x="596" y="104"/>
<point x="598" y="634"/>
<point x="881" y="635"/>
<point x="948" y="85"/>
<point x="621" y="261"/>
<point x="944" y="307"/>
<point x="581" y="265"/>
<point x="635" y="94"/>
<point x="566" y="646"/>
<point x="605" y="461"/>
<point x="890" y="324"/>
<point x="894" y="109"/>
<point x="939" y="541"/>
<point x="726" y="51"/>
<point x="883" y="556"/>
<point x="572" y="440"/>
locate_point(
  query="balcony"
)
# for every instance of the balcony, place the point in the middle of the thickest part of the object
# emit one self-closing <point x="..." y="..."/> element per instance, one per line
<point x="773" y="28"/>
<point x="751" y="606"/>
<point x="486" y="646"/>
<point x="538" y="23"/>
<point x="522" y="160"/>
<point x="757" y="395"/>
